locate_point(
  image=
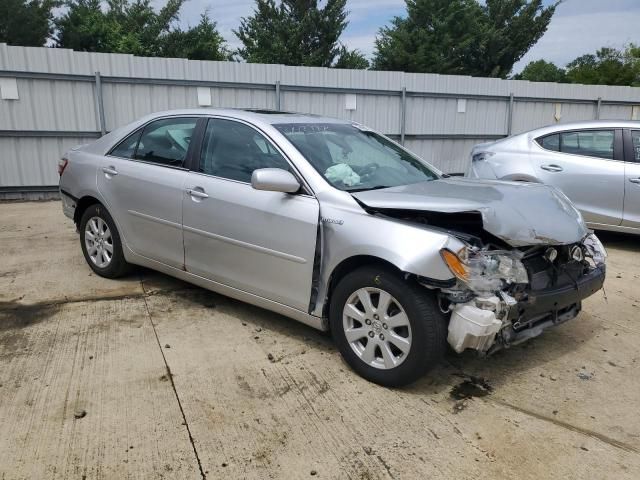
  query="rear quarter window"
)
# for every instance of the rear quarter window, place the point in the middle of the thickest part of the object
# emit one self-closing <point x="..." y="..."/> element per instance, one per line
<point x="550" y="142"/>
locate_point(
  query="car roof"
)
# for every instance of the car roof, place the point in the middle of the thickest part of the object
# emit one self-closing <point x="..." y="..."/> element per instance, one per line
<point x="587" y="124"/>
<point x="256" y="116"/>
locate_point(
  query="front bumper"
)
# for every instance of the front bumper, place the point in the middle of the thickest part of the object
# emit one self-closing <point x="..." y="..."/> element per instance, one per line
<point x="547" y="308"/>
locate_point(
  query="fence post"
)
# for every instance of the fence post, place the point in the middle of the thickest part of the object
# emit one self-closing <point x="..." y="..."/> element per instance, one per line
<point x="510" y="115"/>
<point x="598" y="106"/>
<point x="278" y="95"/>
<point x="403" y="114"/>
<point x="100" y="102"/>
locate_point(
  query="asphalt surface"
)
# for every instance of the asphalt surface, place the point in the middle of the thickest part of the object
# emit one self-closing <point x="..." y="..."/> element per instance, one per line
<point x="149" y="377"/>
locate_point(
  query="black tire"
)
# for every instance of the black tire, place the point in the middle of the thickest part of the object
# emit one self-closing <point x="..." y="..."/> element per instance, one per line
<point x="428" y="325"/>
<point x="118" y="266"/>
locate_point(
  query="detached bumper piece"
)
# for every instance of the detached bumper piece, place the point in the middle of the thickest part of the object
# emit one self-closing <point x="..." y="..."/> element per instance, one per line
<point x="547" y="308"/>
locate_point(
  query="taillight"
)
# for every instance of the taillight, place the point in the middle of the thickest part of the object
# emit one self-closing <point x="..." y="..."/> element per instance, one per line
<point x="481" y="156"/>
<point x="62" y="164"/>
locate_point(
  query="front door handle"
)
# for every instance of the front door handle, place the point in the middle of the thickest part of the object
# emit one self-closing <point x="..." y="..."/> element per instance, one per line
<point x="552" y="168"/>
<point x="635" y="180"/>
<point x="110" y="171"/>
<point x="197" y="192"/>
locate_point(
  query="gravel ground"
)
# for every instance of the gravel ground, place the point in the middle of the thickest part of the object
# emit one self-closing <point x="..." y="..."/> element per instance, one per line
<point x="149" y="377"/>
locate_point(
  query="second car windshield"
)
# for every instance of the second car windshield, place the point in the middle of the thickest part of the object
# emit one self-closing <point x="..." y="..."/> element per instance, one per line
<point x="355" y="159"/>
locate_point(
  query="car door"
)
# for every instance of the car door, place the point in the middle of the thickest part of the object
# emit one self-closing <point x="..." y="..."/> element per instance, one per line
<point x="587" y="165"/>
<point x="257" y="241"/>
<point x="631" y="215"/>
<point x="142" y="181"/>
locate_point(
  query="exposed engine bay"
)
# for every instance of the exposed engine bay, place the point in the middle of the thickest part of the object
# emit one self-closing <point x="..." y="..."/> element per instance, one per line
<point x="504" y="295"/>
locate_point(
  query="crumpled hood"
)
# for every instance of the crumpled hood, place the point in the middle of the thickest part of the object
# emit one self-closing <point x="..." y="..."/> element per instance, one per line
<point x="519" y="213"/>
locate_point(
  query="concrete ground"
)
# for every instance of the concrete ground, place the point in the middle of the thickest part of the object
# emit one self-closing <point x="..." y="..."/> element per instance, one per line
<point x="148" y="377"/>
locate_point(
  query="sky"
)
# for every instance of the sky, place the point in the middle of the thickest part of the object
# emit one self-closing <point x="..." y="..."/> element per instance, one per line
<point x="578" y="26"/>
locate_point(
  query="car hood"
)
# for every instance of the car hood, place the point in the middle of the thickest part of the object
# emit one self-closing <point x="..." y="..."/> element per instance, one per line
<point x="518" y="213"/>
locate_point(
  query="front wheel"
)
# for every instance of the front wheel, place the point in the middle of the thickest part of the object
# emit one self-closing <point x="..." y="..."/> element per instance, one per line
<point x="101" y="243"/>
<point x="388" y="329"/>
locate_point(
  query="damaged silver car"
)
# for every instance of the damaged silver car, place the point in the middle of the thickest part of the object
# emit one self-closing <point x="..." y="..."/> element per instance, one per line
<point x="332" y="224"/>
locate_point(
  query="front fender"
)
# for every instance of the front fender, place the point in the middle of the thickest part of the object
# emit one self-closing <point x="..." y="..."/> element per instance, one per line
<point x="410" y="247"/>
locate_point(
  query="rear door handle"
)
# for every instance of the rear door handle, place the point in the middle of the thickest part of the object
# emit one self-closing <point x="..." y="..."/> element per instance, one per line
<point x="197" y="192"/>
<point x="552" y="168"/>
<point x="635" y="180"/>
<point x="110" y="170"/>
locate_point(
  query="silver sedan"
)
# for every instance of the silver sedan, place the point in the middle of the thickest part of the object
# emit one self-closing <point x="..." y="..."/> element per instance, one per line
<point x="332" y="224"/>
<point x="596" y="164"/>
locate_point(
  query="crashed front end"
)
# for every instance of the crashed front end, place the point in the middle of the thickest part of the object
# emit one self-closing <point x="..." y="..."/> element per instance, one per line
<point x="520" y="253"/>
<point x="504" y="297"/>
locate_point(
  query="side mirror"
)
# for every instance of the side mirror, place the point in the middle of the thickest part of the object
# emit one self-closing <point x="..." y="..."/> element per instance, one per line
<point x="274" y="180"/>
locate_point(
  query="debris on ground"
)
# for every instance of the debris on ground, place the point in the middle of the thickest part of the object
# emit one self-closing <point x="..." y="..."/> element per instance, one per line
<point x="80" y="413"/>
<point x="459" y="406"/>
<point x="166" y="345"/>
<point x="471" y="387"/>
<point x="270" y="357"/>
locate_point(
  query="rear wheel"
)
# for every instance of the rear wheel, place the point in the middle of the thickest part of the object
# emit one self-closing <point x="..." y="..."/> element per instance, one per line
<point x="101" y="243"/>
<point x="389" y="330"/>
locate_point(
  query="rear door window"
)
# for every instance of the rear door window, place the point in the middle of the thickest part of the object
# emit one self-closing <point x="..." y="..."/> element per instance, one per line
<point x="635" y="140"/>
<point x="589" y="143"/>
<point x="166" y="141"/>
<point x="127" y="148"/>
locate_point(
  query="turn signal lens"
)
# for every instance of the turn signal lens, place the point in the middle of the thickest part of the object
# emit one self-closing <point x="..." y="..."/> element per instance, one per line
<point x="454" y="264"/>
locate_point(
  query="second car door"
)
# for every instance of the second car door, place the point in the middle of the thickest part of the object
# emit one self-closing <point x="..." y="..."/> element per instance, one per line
<point x="259" y="242"/>
<point x="587" y="166"/>
<point x="142" y="180"/>
<point x="631" y="216"/>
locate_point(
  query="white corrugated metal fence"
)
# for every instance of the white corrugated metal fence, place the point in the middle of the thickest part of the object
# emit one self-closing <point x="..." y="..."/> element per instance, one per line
<point x="66" y="97"/>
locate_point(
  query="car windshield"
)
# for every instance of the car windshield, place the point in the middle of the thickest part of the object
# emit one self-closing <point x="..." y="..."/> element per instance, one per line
<point x="354" y="159"/>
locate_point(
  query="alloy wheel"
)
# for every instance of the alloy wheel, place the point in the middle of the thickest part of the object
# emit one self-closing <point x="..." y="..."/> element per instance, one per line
<point x="99" y="242"/>
<point x="377" y="328"/>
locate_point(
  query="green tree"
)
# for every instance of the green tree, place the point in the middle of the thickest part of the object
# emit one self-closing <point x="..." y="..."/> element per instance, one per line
<point x="297" y="32"/>
<point x="608" y="66"/>
<point x="26" y="23"/>
<point x="202" y="42"/>
<point x="352" y="59"/>
<point x="462" y="37"/>
<point x="542" y="71"/>
<point x="133" y="26"/>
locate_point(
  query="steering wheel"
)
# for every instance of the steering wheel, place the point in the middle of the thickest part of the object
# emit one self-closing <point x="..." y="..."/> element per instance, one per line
<point x="368" y="170"/>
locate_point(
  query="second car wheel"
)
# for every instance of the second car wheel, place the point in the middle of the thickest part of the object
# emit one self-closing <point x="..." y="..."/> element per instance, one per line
<point x="388" y="329"/>
<point x="101" y="243"/>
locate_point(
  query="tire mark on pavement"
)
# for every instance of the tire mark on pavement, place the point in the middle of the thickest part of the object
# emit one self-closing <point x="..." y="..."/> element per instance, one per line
<point x="559" y="423"/>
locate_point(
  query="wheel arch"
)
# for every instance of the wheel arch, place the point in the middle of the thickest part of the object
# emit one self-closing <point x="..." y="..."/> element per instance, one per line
<point x="520" y="177"/>
<point x="350" y="264"/>
<point x="82" y="205"/>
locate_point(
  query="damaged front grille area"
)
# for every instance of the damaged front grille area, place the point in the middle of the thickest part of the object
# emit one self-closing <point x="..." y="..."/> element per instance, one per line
<point x="494" y="307"/>
<point x="557" y="283"/>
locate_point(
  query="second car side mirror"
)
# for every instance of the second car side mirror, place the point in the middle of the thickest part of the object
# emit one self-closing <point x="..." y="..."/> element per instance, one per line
<point x="274" y="180"/>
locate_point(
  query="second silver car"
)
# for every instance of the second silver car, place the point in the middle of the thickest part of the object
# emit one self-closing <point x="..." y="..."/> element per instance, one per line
<point x="596" y="164"/>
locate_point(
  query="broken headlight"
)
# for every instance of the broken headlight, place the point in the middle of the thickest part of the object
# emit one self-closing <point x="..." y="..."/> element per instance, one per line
<point x="484" y="270"/>
<point x="595" y="249"/>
